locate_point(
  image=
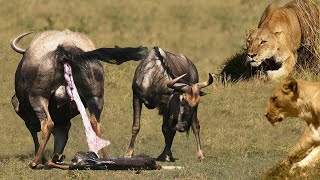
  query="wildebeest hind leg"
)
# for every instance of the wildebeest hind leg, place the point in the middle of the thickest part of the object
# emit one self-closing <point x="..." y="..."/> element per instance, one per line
<point x="95" y="106"/>
<point x="31" y="122"/>
<point x="61" y="134"/>
<point x="137" y="105"/>
<point x="169" y="134"/>
<point x="40" y="107"/>
<point x="196" y="131"/>
<point x="34" y="133"/>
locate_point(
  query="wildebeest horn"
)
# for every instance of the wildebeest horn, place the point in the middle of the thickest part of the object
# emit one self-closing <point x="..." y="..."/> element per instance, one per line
<point x="16" y="40"/>
<point x="205" y="84"/>
<point x="178" y="86"/>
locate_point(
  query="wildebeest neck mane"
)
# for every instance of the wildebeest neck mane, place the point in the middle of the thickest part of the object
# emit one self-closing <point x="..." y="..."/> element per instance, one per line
<point x="175" y="65"/>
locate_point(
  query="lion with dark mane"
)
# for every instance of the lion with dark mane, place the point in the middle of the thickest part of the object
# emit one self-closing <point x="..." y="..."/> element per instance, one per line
<point x="281" y="33"/>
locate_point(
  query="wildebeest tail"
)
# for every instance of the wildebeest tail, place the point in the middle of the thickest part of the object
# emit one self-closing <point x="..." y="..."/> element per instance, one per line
<point x="68" y="53"/>
<point x="117" y="55"/>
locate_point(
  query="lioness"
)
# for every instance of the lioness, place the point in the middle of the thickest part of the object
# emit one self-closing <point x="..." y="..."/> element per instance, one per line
<point x="298" y="98"/>
<point x="280" y="33"/>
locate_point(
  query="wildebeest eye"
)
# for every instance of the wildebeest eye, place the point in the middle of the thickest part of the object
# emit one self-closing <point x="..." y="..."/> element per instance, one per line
<point x="263" y="42"/>
<point x="183" y="102"/>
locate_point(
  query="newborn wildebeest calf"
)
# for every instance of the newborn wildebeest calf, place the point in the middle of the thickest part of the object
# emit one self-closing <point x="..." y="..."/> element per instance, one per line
<point x="41" y="99"/>
<point x="169" y="82"/>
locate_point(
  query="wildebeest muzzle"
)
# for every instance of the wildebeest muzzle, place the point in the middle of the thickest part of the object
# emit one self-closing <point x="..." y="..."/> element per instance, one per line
<point x="181" y="127"/>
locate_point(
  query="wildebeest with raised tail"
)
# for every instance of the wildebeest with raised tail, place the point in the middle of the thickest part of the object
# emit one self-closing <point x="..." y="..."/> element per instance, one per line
<point x="170" y="83"/>
<point x="41" y="99"/>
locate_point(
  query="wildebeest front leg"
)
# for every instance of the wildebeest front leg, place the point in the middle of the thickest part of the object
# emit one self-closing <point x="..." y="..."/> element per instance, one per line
<point x="168" y="133"/>
<point x="196" y="131"/>
<point x="95" y="106"/>
<point x="34" y="134"/>
<point x="40" y="107"/>
<point x="137" y="105"/>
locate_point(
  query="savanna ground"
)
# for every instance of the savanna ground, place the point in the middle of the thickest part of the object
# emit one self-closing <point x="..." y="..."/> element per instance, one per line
<point x="237" y="140"/>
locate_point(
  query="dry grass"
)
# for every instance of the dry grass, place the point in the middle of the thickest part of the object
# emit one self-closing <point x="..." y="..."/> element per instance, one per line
<point x="238" y="142"/>
<point x="309" y="55"/>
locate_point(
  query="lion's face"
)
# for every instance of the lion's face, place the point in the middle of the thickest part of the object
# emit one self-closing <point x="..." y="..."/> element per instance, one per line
<point x="281" y="104"/>
<point x="261" y="44"/>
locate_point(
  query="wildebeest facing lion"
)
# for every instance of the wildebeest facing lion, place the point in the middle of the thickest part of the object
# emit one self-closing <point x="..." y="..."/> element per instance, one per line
<point x="280" y="33"/>
<point x="41" y="99"/>
<point x="298" y="98"/>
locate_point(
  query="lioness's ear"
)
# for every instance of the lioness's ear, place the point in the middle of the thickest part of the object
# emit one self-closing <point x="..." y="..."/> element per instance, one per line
<point x="290" y="85"/>
<point x="248" y="32"/>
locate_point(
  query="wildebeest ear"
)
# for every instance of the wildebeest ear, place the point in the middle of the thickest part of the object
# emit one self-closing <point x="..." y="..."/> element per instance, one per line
<point x="290" y="85"/>
<point x="207" y="83"/>
<point x="202" y="93"/>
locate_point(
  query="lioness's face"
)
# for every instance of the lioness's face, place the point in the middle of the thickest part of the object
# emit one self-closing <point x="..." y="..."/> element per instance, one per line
<point x="261" y="45"/>
<point x="281" y="102"/>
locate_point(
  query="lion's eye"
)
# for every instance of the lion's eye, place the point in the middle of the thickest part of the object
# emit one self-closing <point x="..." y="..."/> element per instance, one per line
<point x="263" y="42"/>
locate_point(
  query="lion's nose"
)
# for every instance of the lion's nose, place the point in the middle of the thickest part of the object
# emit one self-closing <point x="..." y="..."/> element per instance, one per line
<point x="251" y="55"/>
<point x="266" y="115"/>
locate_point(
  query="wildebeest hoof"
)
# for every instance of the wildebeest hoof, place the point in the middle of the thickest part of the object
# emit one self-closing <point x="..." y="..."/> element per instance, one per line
<point x="58" y="159"/>
<point x="166" y="158"/>
<point x="35" y="165"/>
<point x="200" y="157"/>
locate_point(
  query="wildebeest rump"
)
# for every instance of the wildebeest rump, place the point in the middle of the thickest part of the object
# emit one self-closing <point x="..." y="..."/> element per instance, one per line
<point x="169" y="82"/>
<point x="41" y="99"/>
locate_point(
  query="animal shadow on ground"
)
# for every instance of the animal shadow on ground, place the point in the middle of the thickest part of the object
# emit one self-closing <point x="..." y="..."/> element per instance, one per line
<point x="279" y="171"/>
<point x="236" y="68"/>
<point x="282" y="172"/>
